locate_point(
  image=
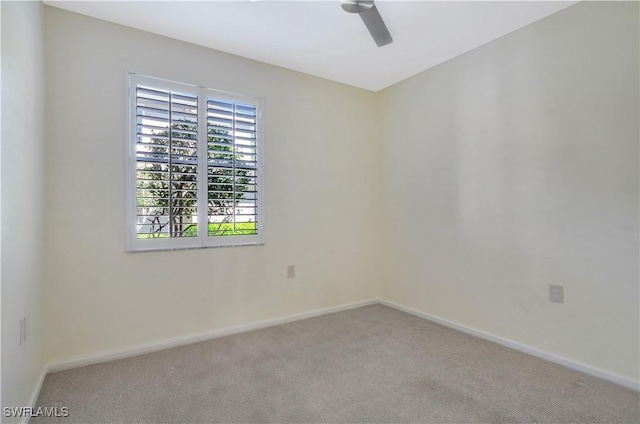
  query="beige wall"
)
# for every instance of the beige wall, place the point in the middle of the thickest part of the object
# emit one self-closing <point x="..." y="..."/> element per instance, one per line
<point x="22" y="194"/>
<point x="504" y="170"/>
<point x="320" y="170"/>
<point x="513" y="167"/>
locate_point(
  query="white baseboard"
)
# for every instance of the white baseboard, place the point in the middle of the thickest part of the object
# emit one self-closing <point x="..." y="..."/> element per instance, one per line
<point x="569" y="363"/>
<point x="199" y="337"/>
<point x="35" y="393"/>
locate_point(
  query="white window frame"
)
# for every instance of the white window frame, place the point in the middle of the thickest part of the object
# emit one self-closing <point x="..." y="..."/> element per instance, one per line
<point x="202" y="240"/>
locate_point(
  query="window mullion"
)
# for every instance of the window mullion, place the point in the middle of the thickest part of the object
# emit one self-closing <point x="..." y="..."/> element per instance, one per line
<point x="202" y="194"/>
<point x="170" y="152"/>
<point x="233" y="161"/>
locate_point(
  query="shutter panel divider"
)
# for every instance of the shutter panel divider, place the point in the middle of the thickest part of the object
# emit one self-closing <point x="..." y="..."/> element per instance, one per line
<point x="203" y="154"/>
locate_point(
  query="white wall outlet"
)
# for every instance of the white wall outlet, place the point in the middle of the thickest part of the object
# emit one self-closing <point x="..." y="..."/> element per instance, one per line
<point x="556" y="293"/>
<point x="291" y="271"/>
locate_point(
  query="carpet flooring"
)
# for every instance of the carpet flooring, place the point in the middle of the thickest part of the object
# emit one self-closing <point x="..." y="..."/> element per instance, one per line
<point x="368" y="365"/>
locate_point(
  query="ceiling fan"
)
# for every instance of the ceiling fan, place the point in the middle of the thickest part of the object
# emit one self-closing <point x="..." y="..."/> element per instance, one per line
<point x="371" y="18"/>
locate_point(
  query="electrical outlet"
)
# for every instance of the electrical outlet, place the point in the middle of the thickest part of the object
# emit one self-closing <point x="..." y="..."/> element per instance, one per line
<point x="291" y="271"/>
<point x="556" y="293"/>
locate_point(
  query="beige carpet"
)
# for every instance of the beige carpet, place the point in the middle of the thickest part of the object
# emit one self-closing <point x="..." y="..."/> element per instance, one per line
<point x="372" y="364"/>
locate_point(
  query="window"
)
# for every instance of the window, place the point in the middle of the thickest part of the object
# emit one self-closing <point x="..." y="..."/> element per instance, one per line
<point x="194" y="168"/>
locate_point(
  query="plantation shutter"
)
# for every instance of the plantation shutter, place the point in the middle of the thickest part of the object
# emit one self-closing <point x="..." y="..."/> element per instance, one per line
<point x="194" y="175"/>
<point x="166" y="163"/>
<point x="232" y="168"/>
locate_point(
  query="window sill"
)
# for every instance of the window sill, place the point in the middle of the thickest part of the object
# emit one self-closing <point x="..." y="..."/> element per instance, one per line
<point x="168" y="249"/>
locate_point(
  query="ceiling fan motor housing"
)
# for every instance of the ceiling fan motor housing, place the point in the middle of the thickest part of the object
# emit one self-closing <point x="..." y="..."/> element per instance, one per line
<point x="357" y="6"/>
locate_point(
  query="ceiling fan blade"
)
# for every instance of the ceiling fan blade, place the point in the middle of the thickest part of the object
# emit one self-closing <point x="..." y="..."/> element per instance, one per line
<point x="372" y="19"/>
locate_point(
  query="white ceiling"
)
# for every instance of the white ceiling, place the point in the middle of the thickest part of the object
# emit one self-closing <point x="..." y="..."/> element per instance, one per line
<point x="319" y="38"/>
